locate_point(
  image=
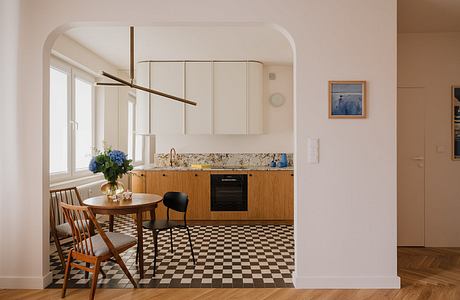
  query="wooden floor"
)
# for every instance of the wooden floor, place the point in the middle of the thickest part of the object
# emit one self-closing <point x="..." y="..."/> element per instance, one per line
<point x="426" y="273"/>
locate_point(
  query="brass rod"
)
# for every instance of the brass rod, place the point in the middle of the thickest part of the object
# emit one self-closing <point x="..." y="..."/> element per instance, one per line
<point x="131" y="53"/>
<point x="148" y="90"/>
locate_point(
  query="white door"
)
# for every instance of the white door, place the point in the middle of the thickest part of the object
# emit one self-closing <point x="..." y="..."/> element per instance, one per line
<point x="230" y="93"/>
<point x="198" y="87"/>
<point x="411" y="167"/>
<point x="167" y="114"/>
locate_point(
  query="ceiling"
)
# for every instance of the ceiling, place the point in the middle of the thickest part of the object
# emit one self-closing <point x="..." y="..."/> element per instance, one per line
<point x="186" y="43"/>
<point x="428" y="16"/>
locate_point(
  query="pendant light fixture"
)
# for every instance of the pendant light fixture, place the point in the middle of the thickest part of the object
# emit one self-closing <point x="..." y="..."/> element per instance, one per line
<point x="131" y="83"/>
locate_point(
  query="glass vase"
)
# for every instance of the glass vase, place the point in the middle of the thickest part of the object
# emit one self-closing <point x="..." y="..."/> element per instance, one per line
<point x="112" y="189"/>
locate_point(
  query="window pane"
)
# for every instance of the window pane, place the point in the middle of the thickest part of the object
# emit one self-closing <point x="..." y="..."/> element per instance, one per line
<point x="139" y="148"/>
<point x="83" y="119"/>
<point x="58" y="121"/>
<point x="130" y="129"/>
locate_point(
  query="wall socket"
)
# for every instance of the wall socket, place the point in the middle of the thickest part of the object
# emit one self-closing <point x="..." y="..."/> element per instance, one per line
<point x="271" y="76"/>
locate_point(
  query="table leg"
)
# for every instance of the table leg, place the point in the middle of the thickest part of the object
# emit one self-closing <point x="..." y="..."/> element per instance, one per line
<point x="152" y="214"/>
<point x="111" y="218"/>
<point x="140" y="243"/>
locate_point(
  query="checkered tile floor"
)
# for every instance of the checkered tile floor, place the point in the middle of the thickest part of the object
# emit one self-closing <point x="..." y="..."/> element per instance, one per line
<point x="236" y="256"/>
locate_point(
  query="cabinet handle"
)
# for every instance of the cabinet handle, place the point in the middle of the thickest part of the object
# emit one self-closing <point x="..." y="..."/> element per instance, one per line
<point x="196" y="175"/>
<point x="250" y="175"/>
<point x="292" y="175"/>
<point x="164" y="175"/>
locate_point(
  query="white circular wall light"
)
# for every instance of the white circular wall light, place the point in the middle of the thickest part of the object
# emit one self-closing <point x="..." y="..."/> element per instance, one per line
<point x="277" y="99"/>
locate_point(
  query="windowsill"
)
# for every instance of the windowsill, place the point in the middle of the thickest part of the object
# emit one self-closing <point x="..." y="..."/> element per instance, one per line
<point x="76" y="181"/>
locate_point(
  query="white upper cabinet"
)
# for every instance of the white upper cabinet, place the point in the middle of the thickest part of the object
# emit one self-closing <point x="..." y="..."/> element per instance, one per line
<point x="198" y="88"/>
<point x="229" y="96"/>
<point x="230" y="93"/>
<point x="255" y="98"/>
<point x="167" y="115"/>
<point x="142" y="99"/>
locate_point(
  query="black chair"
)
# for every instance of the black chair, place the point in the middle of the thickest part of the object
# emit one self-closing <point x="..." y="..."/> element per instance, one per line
<point x="176" y="201"/>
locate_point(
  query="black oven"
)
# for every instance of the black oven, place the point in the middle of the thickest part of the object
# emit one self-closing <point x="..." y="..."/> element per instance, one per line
<point x="229" y="192"/>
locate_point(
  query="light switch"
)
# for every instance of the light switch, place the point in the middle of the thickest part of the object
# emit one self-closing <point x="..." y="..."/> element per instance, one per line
<point x="313" y="150"/>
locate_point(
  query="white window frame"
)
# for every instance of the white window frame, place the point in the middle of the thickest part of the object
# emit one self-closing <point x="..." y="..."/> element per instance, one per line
<point x="133" y="135"/>
<point x="74" y="72"/>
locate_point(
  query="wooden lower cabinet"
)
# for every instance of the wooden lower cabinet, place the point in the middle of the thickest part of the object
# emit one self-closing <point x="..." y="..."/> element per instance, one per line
<point x="270" y="194"/>
<point x="138" y="182"/>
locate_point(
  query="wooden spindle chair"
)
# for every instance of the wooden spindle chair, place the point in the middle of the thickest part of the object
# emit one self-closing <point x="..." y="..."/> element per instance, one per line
<point x="90" y="248"/>
<point x="59" y="228"/>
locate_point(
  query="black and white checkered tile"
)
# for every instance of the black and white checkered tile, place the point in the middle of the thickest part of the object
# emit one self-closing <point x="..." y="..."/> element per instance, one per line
<point x="237" y="256"/>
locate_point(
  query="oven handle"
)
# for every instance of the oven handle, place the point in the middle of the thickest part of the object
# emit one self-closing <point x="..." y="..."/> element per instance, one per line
<point x="225" y="179"/>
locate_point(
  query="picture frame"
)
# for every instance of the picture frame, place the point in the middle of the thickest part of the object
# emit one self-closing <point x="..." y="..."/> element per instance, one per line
<point x="347" y="99"/>
<point x="455" y="121"/>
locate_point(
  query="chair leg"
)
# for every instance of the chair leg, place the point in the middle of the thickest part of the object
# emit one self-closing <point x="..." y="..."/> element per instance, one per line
<point x="137" y="254"/>
<point x="171" y="238"/>
<point x="59" y="249"/>
<point x="97" y="268"/>
<point x="155" y="244"/>
<point x="191" y="246"/>
<point x="66" y="274"/>
<point x="122" y="265"/>
<point x="86" y="272"/>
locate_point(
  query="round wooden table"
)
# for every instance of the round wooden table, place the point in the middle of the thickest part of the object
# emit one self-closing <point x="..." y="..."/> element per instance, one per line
<point x="137" y="205"/>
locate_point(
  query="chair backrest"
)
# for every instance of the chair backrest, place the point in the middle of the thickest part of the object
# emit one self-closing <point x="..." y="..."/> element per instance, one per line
<point x="67" y="195"/>
<point x="176" y="201"/>
<point x="81" y="219"/>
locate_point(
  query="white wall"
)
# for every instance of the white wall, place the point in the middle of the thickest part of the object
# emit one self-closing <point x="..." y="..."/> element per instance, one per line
<point x="278" y="125"/>
<point x="345" y="206"/>
<point x="432" y="61"/>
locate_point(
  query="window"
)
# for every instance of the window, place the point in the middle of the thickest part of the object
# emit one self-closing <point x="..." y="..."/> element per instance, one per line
<point x="59" y="121"/>
<point x="131" y="134"/>
<point x="71" y="121"/>
<point x="135" y="141"/>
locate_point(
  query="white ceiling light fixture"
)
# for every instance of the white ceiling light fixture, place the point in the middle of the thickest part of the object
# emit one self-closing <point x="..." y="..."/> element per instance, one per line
<point x="131" y="83"/>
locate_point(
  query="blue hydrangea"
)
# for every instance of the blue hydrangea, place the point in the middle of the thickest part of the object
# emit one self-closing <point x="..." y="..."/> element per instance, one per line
<point x="118" y="157"/>
<point x="93" y="165"/>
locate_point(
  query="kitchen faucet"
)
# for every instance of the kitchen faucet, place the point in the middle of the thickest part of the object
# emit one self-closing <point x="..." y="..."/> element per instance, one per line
<point x="171" y="159"/>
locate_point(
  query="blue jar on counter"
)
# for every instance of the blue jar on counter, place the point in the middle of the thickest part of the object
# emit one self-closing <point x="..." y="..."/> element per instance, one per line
<point x="283" y="163"/>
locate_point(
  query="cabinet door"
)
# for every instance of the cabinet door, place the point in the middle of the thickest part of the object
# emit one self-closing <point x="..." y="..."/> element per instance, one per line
<point x="285" y="192"/>
<point x="260" y="196"/>
<point x="255" y="98"/>
<point x="197" y="185"/>
<point x="142" y="98"/>
<point x="198" y="87"/>
<point x="159" y="183"/>
<point x="270" y="195"/>
<point x="167" y="114"/>
<point x="230" y="105"/>
<point x="138" y="182"/>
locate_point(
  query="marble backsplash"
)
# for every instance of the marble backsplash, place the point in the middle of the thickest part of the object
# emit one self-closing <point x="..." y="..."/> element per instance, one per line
<point x="219" y="159"/>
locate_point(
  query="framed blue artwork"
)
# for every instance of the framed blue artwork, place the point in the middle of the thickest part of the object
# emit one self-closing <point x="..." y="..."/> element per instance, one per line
<point x="347" y="99"/>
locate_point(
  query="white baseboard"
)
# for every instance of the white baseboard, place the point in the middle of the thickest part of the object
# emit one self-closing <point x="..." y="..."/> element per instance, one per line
<point x="352" y="282"/>
<point x="25" y="282"/>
